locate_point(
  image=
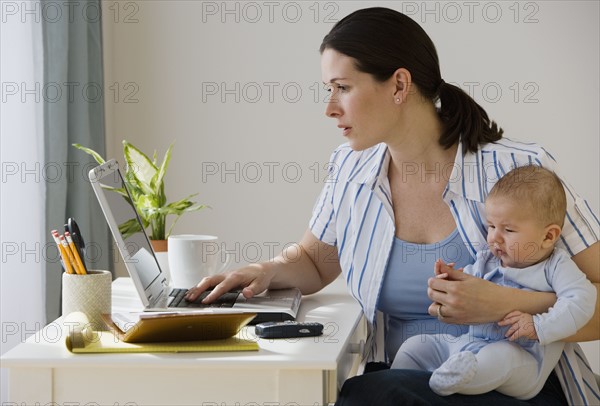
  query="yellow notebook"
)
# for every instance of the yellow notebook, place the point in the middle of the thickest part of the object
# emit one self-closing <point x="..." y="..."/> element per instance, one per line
<point x="82" y="339"/>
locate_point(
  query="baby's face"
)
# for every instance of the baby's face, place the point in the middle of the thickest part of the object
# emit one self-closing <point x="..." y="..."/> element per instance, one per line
<point x="515" y="235"/>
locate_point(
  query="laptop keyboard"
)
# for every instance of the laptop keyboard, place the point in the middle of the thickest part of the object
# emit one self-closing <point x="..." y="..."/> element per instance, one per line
<point x="226" y="300"/>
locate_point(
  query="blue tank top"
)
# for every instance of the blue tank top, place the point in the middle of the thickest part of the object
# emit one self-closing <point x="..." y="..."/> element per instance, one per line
<point x="403" y="296"/>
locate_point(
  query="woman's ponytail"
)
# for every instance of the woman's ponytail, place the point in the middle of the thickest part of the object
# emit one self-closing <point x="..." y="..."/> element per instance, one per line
<point x="464" y="119"/>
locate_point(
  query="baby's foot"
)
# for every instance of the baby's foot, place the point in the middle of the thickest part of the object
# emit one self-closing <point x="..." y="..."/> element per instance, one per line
<point x="453" y="374"/>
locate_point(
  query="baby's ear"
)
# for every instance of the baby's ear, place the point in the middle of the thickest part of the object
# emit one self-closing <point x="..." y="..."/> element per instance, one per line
<point x="551" y="236"/>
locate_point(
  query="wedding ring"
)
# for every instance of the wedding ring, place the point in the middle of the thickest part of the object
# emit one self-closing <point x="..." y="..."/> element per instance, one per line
<point x="439" y="313"/>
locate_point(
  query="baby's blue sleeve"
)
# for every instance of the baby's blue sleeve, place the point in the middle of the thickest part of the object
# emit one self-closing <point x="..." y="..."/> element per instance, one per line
<point x="575" y="304"/>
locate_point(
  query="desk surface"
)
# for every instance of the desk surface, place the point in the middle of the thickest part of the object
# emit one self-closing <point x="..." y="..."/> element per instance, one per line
<point x="306" y="370"/>
<point x="333" y="307"/>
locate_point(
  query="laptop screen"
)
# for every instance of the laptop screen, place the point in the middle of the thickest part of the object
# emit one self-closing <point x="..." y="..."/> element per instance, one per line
<point x="137" y="245"/>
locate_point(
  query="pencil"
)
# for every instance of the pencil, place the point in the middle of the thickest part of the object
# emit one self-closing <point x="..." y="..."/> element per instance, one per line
<point x="78" y="262"/>
<point x="70" y="255"/>
<point x="63" y="253"/>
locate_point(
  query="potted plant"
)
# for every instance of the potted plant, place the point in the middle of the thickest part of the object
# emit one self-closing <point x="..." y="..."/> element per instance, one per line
<point x="145" y="181"/>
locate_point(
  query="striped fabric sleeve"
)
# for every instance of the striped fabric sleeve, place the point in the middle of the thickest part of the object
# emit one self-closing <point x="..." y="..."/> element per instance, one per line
<point x="581" y="228"/>
<point x="322" y="222"/>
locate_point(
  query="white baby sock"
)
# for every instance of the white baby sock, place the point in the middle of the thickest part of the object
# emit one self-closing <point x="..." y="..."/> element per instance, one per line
<point x="457" y="371"/>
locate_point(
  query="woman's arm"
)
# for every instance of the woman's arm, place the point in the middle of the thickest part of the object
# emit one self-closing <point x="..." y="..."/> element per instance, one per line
<point x="468" y="299"/>
<point x="588" y="261"/>
<point x="310" y="266"/>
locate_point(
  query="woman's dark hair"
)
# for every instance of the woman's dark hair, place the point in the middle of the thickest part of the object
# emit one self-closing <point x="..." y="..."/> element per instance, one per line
<point x="382" y="40"/>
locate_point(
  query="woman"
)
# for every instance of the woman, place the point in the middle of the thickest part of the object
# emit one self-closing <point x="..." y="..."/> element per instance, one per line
<point x="407" y="188"/>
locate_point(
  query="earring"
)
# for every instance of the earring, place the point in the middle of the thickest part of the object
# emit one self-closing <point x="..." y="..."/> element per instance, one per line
<point x="398" y="100"/>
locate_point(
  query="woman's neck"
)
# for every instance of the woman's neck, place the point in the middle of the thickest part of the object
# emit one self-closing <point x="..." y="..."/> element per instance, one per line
<point x="417" y="142"/>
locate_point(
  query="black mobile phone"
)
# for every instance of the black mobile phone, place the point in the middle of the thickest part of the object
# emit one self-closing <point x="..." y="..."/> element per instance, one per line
<point x="288" y="329"/>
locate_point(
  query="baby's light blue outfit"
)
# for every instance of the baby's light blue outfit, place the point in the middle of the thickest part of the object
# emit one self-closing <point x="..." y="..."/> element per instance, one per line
<point x="517" y="369"/>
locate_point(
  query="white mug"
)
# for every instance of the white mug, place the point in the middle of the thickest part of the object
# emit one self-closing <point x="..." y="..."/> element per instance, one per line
<point x="194" y="256"/>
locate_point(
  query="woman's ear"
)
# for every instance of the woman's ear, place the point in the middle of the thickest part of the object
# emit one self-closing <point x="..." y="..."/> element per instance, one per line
<point x="552" y="233"/>
<point x="402" y="82"/>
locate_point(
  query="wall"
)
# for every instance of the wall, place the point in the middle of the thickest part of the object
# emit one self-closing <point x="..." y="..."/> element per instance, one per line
<point x="22" y="190"/>
<point x="237" y="85"/>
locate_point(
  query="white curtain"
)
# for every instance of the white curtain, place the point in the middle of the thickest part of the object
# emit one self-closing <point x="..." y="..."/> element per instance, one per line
<point x="22" y="189"/>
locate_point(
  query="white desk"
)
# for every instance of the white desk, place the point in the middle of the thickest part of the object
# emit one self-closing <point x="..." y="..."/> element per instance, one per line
<point x="304" y="371"/>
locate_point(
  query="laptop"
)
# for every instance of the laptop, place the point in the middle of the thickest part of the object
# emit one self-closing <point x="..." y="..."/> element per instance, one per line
<point x="151" y="283"/>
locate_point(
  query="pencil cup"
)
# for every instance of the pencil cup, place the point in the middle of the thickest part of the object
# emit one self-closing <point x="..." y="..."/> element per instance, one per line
<point x="89" y="294"/>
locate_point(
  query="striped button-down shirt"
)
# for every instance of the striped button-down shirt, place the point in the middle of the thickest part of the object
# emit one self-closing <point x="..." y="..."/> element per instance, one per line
<point x="354" y="212"/>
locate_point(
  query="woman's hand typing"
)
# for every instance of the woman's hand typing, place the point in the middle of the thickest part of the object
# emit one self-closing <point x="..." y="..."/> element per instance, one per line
<point x="253" y="279"/>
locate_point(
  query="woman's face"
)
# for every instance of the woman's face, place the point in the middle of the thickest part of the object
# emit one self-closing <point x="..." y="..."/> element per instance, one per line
<point x="365" y="110"/>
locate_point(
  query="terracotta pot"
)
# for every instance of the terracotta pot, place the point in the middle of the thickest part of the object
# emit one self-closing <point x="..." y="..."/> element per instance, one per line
<point x="159" y="245"/>
<point x="160" y="248"/>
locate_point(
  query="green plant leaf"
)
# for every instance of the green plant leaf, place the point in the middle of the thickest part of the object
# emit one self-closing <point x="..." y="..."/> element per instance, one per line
<point x="158" y="180"/>
<point x="129" y="228"/>
<point x="146" y="202"/>
<point x="145" y="183"/>
<point x="148" y="207"/>
<point x="140" y="167"/>
<point x="91" y="152"/>
<point x="120" y="191"/>
<point x="183" y="205"/>
<point x="177" y="209"/>
<point x="132" y="183"/>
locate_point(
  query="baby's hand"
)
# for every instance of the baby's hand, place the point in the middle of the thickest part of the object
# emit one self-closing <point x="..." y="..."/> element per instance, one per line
<point x="441" y="269"/>
<point x="521" y="326"/>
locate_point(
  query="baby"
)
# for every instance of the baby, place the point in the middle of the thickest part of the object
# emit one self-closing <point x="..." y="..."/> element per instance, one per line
<point x="525" y="212"/>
